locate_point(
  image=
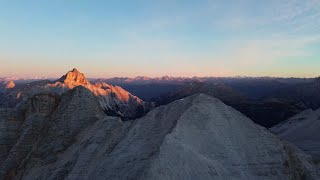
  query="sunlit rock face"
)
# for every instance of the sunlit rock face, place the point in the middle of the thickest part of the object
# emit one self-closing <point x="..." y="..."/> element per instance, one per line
<point x="74" y="78"/>
<point x="10" y="85"/>
<point x="114" y="100"/>
<point x="6" y="86"/>
<point x="303" y="130"/>
<point x="197" y="137"/>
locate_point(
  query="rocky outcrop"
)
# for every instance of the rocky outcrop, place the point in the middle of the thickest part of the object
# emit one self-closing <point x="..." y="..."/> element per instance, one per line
<point x="197" y="137"/>
<point x="10" y="85"/>
<point x="47" y="131"/>
<point x="117" y="101"/>
<point x="201" y="138"/>
<point x="10" y="122"/>
<point x="6" y="99"/>
<point x="43" y="103"/>
<point x="303" y="130"/>
<point x="74" y="78"/>
<point x="7" y="85"/>
<point x="114" y="100"/>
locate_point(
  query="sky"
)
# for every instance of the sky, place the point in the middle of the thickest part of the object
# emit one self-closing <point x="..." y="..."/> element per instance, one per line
<point x="108" y="38"/>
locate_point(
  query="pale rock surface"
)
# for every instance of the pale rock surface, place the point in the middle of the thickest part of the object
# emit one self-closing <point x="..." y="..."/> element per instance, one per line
<point x="201" y="138"/>
<point x="47" y="132"/>
<point x="197" y="137"/>
<point x="303" y="130"/>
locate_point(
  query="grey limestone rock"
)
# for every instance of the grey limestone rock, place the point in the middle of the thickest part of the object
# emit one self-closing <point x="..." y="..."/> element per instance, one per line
<point x="197" y="137"/>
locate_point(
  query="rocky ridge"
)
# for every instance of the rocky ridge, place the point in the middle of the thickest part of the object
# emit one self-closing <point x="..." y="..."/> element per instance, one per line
<point x="197" y="137"/>
<point x="114" y="100"/>
<point x="302" y="130"/>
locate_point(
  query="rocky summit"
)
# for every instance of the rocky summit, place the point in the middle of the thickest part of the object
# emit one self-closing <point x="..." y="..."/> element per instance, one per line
<point x="114" y="100"/>
<point x="74" y="78"/>
<point x="197" y="137"/>
<point x="7" y="84"/>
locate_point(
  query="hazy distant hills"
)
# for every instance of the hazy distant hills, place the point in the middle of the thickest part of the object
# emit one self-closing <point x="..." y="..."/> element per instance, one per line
<point x="218" y="90"/>
<point x="265" y="112"/>
<point x="306" y="93"/>
<point x="251" y="87"/>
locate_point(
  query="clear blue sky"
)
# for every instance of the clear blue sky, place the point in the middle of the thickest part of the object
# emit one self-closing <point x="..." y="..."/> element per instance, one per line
<point x="109" y="38"/>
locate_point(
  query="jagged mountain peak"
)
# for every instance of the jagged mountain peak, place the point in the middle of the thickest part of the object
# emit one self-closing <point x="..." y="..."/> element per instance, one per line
<point x="7" y="85"/>
<point x="10" y="85"/>
<point x="74" y="70"/>
<point x="74" y="78"/>
<point x="113" y="99"/>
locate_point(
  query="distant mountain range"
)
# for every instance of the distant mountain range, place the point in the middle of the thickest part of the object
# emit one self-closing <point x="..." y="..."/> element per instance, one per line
<point x="255" y="100"/>
<point x="167" y="79"/>
<point x="266" y="100"/>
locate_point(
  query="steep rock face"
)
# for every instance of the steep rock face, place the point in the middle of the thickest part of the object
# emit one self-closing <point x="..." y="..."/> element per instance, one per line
<point x="84" y="155"/>
<point x="117" y="101"/>
<point x="44" y="103"/>
<point x="74" y="78"/>
<point x="6" y="99"/>
<point x="44" y="136"/>
<point x="7" y="85"/>
<point x="10" y="85"/>
<point x="303" y="130"/>
<point x="113" y="99"/>
<point x="10" y="122"/>
<point x="197" y="137"/>
<point x="201" y="138"/>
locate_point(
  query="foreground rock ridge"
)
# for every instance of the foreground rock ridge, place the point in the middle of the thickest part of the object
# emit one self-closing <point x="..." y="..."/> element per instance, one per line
<point x="198" y="137"/>
<point x="303" y="130"/>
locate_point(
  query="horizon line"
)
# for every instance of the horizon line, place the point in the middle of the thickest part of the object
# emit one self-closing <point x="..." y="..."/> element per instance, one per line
<point x="157" y="77"/>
